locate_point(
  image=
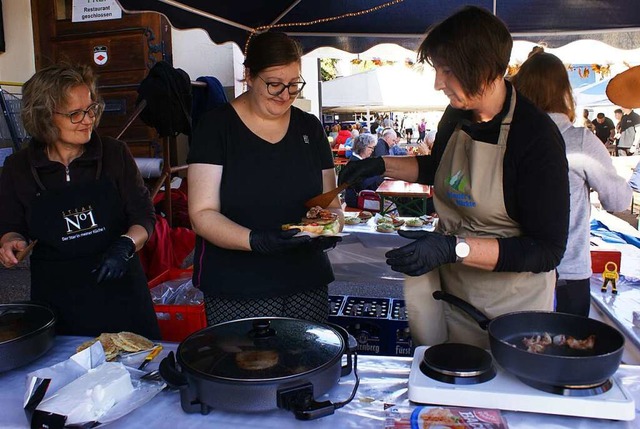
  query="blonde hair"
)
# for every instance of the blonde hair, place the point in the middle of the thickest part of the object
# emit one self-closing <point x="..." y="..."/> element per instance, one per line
<point x="543" y="79"/>
<point x="46" y="91"/>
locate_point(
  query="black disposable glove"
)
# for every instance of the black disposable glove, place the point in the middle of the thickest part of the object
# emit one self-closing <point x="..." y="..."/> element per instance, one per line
<point x="354" y="172"/>
<point x="324" y="243"/>
<point x="428" y="251"/>
<point x="270" y="242"/>
<point x="114" y="261"/>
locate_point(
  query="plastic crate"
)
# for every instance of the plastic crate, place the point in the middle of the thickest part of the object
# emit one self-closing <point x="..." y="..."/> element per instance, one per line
<point x="600" y="257"/>
<point x="177" y="321"/>
<point x="378" y="324"/>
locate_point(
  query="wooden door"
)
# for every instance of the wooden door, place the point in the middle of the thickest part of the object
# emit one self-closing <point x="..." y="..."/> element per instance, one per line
<point x="131" y="46"/>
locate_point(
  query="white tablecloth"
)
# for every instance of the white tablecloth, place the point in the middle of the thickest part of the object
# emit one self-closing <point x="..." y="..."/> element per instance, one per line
<point x="384" y="380"/>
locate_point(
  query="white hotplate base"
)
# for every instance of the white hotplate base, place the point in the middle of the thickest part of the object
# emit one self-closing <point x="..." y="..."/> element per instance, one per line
<point x="506" y="392"/>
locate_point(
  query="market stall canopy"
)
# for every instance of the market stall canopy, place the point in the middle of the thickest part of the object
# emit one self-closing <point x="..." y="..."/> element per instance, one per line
<point x="384" y="89"/>
<point x="357" y="25"/>
<point x="593" y="95"/>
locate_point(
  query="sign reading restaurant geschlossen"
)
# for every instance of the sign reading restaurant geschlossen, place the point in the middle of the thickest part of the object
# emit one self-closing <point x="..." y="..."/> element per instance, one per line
<point x="95" y="10"/>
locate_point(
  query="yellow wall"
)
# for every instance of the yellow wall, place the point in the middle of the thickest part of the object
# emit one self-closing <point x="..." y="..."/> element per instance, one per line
<point x="17" y="63"/>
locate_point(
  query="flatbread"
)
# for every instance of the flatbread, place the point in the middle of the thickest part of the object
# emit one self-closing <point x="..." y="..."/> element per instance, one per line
<point x="115" y="343"/>
<point x="110" y="348"/>
<point x="257" y="360"/>
<point x="86" y="345"/>
<point x="130" y="342"/>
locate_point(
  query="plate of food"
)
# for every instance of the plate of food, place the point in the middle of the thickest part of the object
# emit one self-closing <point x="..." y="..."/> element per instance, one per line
<point x="317" y="222"/>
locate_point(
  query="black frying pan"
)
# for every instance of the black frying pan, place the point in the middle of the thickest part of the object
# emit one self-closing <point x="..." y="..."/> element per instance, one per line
<point x="558" y="365"/>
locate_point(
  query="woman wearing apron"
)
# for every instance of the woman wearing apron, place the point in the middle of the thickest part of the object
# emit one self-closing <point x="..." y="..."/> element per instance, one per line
<point x="500" y="180"/>
<point x="82" y="198"/>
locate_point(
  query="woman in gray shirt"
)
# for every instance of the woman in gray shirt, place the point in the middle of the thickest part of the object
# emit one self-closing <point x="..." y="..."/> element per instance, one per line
<point x="543" y="79"/>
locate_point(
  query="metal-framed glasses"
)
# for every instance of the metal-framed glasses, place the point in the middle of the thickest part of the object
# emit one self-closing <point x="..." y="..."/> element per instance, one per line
<point x="277" y="88"/>
<point x="77" y="116"/>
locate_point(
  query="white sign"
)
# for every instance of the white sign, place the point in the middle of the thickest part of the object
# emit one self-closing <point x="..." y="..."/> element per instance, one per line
<point x="95" y="10"/>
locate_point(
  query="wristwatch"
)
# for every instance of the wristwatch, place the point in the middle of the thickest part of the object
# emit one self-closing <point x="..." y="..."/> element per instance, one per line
<point x="462" y="249"/>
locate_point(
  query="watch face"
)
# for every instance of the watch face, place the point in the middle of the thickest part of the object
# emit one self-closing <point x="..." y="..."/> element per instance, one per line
<point x="462" y="250"/>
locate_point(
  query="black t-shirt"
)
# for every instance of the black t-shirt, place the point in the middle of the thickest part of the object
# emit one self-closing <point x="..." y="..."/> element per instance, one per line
<point x="629" y="120"/>
<point x="535" y="181"/>
<point x="603" y="130"/>
<point x="263" y="186"/>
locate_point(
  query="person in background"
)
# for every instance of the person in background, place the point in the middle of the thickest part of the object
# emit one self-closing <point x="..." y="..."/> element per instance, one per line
<point x="422" y="131"/>
<point x="629" y="132"/>
<point x="605" y="129"/>
<point x="388" y="144"/>
<point x="544" y="80"/>
<point x="343" y="135"/>
<point x="363" y="147"/>
<point x="501" y="188"/>
<point x="82" y="198"/>
<point x="253" y="164"/>
<point x="585" y="119"/>
<point x="349" y="143"/>
<point x="335" y="129"/>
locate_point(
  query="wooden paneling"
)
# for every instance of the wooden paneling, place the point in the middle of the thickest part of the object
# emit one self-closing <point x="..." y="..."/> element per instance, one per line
<point x="134" y="43"/>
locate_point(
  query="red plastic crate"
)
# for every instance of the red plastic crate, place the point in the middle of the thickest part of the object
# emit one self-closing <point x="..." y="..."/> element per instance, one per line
<point x="177" y="321"/>
<point x="599" y="259"/>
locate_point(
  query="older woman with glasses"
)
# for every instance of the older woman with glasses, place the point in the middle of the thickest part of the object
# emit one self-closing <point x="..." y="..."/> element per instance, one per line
<point x="252" y="165"/>
<point x="363" y="147"/>
<point x="82" y="198"/>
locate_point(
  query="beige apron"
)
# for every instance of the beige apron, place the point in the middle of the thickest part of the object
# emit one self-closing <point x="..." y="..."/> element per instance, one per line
<point x="469" y="200"/>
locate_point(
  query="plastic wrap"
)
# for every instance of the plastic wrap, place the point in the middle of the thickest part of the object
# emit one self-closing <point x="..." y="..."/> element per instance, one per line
<point x="177" y="292"/>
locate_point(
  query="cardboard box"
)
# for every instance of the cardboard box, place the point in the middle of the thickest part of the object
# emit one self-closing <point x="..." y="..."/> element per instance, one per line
<point x="378" y="324"/>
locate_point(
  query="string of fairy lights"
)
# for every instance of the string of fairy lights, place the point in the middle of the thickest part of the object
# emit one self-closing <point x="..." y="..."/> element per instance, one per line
<point x="264" y="28"/>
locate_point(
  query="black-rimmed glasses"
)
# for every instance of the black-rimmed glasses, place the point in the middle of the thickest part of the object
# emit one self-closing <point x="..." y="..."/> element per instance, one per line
<point x="277" y="88"/>
<point x="77" y="116"/>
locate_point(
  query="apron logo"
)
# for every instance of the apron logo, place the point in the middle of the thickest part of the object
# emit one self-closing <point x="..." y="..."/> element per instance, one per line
<point x="79" y="220"/>
<point x="80" y="223"/>
<point x="459" y="184"/>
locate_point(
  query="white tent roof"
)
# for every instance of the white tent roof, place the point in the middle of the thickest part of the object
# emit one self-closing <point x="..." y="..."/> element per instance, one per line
<point x="387" y="88"/>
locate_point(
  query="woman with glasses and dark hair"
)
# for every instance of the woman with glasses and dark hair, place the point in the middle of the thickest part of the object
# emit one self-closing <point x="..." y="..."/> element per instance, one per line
<point x="82" y="198"/>
<point x="501" y="188"/>
<point x="252" y="165"/>
<point x="363" y="147"/>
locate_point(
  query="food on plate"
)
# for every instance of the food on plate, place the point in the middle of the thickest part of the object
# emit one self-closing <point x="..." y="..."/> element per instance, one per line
<point x="365" y="215"/>
<point x="385" y="227"/>
<point x="414" y="222"/>
<point x="130" y="342"/>
<point x="396" y="221"/>
<point x="384" y="219"/>
<point x="116" y="343"/>
<point x="539" y="343"/>
<point x="91" y="395"/>
<point x="317" y="221"/>
<point x="256" y="360"/>
<point x="352" y="220"/>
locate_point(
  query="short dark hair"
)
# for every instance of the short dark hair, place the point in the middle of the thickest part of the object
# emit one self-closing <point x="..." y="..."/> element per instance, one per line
<point x="271" y="49"/>
<point x="600" y="115"/>
<point x="473" y="43"/>
<point x="618" y="111"/>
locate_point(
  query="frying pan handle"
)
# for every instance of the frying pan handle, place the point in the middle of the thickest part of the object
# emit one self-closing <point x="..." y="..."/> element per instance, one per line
<point x="170" y="373"/>
<point x="477" y="315"/>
